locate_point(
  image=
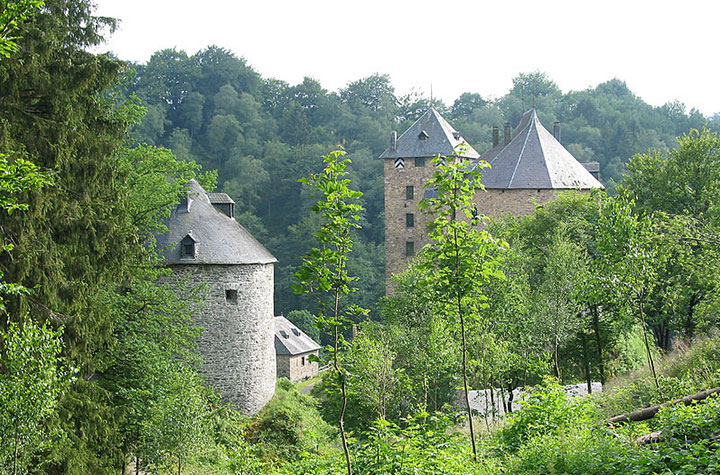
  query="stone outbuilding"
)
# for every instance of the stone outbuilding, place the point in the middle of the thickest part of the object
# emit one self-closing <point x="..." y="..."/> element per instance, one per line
<point x="205" y="245"/>
<point x="293" y="349"/>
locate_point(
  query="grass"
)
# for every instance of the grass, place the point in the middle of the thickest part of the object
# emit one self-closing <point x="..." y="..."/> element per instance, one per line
<point x="307" y="382"/>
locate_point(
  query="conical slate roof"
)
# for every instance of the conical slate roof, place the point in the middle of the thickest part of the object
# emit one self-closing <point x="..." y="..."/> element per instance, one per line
<point x="429" y="136"/>
<point x="534" y="159"/>
<point x="219" y="239"/>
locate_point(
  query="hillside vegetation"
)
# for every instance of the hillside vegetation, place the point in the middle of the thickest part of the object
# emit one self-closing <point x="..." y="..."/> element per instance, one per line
<point x="98" y="361"/>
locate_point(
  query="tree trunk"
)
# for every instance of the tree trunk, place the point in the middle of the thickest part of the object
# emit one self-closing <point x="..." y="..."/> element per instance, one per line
<point x="596" y="329"/>
<point x="15" y="454"/>
<point x="689" y="324"/>
<point x="503" y="401"/>
<point x="649" y="412"/>
<point x="492" y="399"/>
<point x="343" y="387"/>
<point x="465" y="383"/>
<point x="511" y="397"/>
<point x="556" y="363"/>
<point x="586" y="361"/>
<point x="647" y="345"/>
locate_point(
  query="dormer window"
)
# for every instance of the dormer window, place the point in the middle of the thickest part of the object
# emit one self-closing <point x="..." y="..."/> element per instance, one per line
<point x="423" y="135"/>
<point x="188" y="247"/>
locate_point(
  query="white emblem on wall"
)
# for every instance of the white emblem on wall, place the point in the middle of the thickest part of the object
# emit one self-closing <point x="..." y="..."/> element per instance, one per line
<point x="399" y="163"/>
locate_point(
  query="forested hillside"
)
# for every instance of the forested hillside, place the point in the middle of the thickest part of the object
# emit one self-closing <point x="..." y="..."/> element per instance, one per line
<point x="98" y="363"/>
<point x="262" y="134"/>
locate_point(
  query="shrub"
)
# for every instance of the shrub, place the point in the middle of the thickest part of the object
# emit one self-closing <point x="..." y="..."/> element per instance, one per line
<point x="545" y="409"/>
<point x="289" y="424"/>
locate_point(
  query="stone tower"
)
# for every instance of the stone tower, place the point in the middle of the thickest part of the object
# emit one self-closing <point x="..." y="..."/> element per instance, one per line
<point x="408" y="167"/>
<point x="205" y="245"/>
<point x="528" y="168"/>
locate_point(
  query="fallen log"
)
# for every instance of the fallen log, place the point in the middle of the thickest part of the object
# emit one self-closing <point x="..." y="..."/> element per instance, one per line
<point x="649" y="412"/>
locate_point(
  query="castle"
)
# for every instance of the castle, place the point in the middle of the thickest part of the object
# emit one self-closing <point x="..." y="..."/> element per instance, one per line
<point x="528" y="168"/>
<point x="205" y="245"/>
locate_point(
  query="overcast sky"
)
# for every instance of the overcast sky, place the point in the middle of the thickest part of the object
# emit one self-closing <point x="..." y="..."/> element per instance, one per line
<point x="664" y="50"/>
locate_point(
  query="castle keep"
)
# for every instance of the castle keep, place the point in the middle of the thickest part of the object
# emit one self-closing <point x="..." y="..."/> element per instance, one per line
<point x="528" y="168"/>
<point x="205" y="245"/>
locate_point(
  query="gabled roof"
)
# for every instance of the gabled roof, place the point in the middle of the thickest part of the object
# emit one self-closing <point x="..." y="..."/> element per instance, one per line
<point x="220" y="239"/>
<point x="290" y="340"/>
<point x="534" y="159"/>
<point x="429" y="136"/>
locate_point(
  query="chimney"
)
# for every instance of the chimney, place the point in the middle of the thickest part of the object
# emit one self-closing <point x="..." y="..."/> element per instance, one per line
<point x="393" y="140"/>
<point x="495" y="136"/>
<point x="556" y="130"/>
<point x="185" y="201"/>
<point x="507" y="133"/>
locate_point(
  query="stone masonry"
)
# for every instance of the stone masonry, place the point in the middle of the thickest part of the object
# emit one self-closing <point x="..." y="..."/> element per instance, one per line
<point x="237" y="344"/>
<point x="297" y="367"/>
<point x="528" y="170"/>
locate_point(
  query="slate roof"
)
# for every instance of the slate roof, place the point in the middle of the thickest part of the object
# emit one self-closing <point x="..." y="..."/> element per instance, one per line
<point x="429" y="136"/>
<point x="534" y="159"/>
<point x="220" y="239"/>
<point x="219" y="198"/>
<point x="290" y="340"/>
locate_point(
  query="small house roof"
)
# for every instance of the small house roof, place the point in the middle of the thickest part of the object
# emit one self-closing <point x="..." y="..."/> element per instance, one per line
<point x="290" y="340"/>
<point x="534" y="159"/>
<point x="220" y="239"/>
<point x="429" y="136"/>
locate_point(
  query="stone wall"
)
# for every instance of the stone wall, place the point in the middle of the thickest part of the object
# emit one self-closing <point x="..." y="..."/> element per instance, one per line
<point x="238" y="342"/>
<point x="397" y="233"/>
<point x="518" y="202"/>
<point x="491" y="202"/>
<point x="297" y="367"/>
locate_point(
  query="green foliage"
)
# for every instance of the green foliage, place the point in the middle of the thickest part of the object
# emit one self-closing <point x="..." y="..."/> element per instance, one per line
<point x="572" y="437"/>
<point x="420" y="445"/>
<point x="12" y="15"/>
<point x="289" y="425"/>
<point x="682" y="181"/>
<point x="426" y="348"/>
<point x="459" y="260"/>
<point x="175" y="427"/>
<point x="324" y="269"/>
<point x="545" y="410"/>
<point x="32" y="379"/>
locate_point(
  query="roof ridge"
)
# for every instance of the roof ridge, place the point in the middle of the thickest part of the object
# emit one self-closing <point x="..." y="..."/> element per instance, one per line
<point x="522" y="151"/>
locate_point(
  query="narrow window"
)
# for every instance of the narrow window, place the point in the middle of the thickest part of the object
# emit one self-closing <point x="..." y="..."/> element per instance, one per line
<point x="302" y="361"/>
<point x="409" y="192"/>
<point x="188" y="247"/>
<point x="409" y="249"/>
<point x="409" y="220"/>
<point x="231" y="295"/>
<point x="419" y="162"/>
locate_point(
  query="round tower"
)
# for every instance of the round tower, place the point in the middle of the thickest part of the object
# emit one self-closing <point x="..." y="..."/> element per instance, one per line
<point x="204" y="245"/>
